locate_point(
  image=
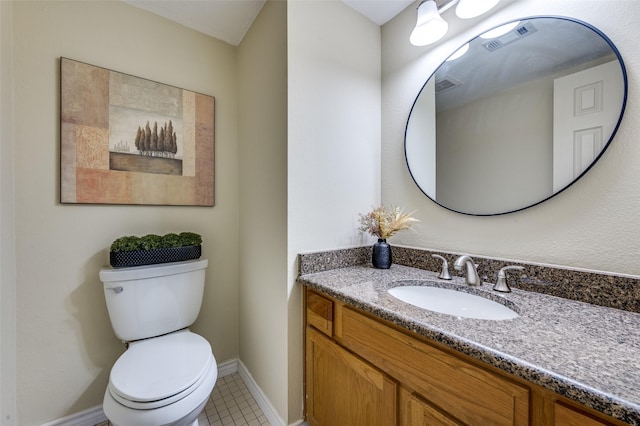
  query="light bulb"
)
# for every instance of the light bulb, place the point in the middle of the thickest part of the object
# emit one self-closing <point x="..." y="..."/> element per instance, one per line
<point x="430" y="27"/>
<point x="468" y="9"/>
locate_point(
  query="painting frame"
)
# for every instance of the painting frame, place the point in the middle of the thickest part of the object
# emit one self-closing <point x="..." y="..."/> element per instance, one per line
<point x="127" y="140"/>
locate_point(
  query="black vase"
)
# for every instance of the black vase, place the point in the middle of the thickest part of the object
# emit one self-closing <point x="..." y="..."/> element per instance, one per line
<point x="381" y="255"/>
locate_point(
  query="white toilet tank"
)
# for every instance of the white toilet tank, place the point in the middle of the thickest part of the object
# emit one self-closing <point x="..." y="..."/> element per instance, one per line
<point x="148" y="301"/>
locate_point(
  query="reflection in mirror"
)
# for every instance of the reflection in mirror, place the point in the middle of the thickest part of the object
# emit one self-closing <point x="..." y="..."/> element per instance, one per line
<point x="517" y="118"/>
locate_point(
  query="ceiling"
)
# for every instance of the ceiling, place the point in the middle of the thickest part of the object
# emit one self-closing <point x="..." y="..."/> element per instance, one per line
<point x="229" y="20"/>
<point x="537" y="47"/>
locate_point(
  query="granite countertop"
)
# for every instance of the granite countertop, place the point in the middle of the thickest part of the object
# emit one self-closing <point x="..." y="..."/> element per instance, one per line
<point x="588" y="353"/>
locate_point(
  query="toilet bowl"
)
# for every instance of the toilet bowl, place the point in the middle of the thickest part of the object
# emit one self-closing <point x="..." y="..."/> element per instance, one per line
<point x="167" y="373"/>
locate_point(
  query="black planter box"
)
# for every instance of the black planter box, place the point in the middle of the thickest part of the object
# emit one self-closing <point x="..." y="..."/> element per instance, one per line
<point x="124" y="259"/>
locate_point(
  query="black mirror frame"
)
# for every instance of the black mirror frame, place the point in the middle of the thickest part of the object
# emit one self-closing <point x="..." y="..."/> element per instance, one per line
<point x="604" y="149"/>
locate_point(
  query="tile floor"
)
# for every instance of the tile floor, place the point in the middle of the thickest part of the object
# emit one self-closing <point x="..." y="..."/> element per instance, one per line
<point x="231" y="404"/>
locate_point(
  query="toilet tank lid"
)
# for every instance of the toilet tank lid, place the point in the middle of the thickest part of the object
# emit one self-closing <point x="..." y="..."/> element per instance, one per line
<point x="150" y="271"/>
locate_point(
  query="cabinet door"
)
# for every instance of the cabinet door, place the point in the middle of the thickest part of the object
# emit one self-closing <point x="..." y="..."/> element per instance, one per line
<point x="341" y="389"/>
<point x="414" y="411"/>
<point x="567" y="416"/>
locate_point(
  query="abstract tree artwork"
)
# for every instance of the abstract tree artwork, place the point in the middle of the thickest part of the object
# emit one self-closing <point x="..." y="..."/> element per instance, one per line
<point x="128" y="140"/>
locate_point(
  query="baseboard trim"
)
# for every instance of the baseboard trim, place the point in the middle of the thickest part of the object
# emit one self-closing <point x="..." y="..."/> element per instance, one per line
<point x="261" y="399"/>
<point x="89" y="417"/>
<point x="95" y="415"/>
<point x="227" y="367"/>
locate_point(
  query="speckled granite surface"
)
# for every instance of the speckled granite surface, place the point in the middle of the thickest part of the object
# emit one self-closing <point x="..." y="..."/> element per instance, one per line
<point x="614" y="291"/>
<point x="585" y="352"/>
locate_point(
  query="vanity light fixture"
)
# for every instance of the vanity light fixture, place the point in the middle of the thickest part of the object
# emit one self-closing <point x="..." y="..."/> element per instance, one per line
<point x="430" y="27"/>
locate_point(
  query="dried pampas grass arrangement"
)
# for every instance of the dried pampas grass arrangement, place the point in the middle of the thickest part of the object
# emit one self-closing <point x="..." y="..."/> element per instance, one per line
<point x="383" y="223"/>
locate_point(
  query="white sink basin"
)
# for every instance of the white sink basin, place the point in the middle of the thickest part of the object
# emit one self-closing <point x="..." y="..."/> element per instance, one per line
<point x="452" y="302"/>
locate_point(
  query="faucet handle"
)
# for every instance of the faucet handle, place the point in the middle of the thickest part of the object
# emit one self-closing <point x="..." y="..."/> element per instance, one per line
<point x="501" y="284"/>
<point x="444" y="273"/>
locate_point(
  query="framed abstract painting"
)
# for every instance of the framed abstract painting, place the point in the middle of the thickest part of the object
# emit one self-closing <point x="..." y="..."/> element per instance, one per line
<point x="128" y="140"/>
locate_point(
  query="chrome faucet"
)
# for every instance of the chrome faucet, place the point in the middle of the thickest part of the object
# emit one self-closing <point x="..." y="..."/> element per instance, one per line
<point x="473" y="280"/>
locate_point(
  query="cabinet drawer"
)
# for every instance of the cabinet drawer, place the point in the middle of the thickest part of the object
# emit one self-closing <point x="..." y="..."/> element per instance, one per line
<point x="320" y="312"/>
<point x="471" y="394"/>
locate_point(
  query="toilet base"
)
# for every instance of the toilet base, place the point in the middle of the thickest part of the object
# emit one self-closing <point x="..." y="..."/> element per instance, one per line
<point x="183" y="422"/>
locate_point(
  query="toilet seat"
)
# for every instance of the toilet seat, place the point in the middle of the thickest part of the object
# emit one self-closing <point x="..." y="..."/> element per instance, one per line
<point x="157" y="372"/>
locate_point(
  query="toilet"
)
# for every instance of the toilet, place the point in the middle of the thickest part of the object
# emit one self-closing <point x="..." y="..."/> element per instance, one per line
<point x="167" y="373"/>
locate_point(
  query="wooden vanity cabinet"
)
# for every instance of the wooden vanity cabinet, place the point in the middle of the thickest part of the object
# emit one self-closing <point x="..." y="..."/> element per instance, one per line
<point x="361" y="370"/>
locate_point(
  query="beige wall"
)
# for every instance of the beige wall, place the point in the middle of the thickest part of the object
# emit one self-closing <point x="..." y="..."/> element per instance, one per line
<point x="65" y="345"/>
<point x="7" y="248"/>
<point x="262" y="76"/>
<point x="591" y="225"/>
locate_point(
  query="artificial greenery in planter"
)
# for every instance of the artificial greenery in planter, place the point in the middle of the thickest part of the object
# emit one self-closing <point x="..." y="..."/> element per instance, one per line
<point x="136" y="251"/>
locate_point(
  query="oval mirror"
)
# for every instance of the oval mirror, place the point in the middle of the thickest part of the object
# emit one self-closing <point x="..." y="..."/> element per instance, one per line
<point x="517" y="117"/>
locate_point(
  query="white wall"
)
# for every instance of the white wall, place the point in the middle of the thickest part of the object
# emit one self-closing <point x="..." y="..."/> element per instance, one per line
<point x="334" y="142"/>
<point x="65" y="344"/>
<point x="591" y="225"/>
<point x="262" y="83"/>
<point x="334" y="122"/>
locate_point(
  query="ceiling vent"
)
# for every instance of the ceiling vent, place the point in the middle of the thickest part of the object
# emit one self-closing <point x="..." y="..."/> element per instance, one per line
<point x="446" y="83"/>
<point x="516" y="34"/>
